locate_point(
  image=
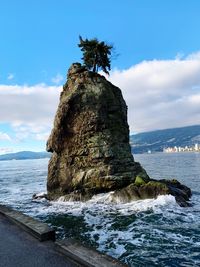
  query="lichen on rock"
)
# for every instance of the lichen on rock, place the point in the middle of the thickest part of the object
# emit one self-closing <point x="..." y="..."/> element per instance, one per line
<point x="90" y="142"/>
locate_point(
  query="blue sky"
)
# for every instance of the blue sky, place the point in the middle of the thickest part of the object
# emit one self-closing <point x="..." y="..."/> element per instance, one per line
<point x="157" y="68"/>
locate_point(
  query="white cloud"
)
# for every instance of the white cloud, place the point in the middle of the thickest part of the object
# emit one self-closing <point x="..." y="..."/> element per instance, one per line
<point x="42" y="136"/>
<point x="5" y="150"/>
<point x="28" y="105"/>
<point x="4" y="137"/>
<point x="10" y="76"/>
<point x="29" y="109"/>
<point x="161" y="93"/>
<point x="57" y="79"/>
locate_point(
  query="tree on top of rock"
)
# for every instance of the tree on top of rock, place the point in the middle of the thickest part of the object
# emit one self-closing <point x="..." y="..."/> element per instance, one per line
<point x="96" y="54"/>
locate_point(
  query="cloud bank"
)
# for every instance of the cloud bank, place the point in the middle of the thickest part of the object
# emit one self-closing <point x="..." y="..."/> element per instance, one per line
<point x="29" y="109"/>
<point x="4" y="137"/>
<point x="159" y="93"/>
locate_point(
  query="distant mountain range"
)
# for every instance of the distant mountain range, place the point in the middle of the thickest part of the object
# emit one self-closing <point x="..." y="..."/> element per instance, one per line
<point x="25" y="155"/>
<point x="155" y="141"/>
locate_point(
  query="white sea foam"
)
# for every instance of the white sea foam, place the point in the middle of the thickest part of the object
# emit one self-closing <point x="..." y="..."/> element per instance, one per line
<point x="101" y="215"/>
<point x="41" y="194"/>
<point x="141" y="232"/>
<point x="100" y="204"/>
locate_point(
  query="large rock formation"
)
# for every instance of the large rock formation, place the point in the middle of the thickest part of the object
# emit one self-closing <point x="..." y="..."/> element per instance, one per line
<point x="90" y="144"/>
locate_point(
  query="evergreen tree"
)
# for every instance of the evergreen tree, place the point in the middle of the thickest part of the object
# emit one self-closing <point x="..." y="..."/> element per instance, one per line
<point x="96" y="54"/>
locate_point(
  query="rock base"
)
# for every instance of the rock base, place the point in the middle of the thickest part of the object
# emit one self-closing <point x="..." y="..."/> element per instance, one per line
<point x="139" y="190"/>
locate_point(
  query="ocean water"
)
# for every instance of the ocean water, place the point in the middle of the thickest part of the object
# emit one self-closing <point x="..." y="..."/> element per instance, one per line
<point x="152" y="232"/>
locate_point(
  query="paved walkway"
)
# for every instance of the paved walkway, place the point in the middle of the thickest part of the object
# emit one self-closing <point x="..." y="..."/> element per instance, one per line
<point x="19" y="249"/>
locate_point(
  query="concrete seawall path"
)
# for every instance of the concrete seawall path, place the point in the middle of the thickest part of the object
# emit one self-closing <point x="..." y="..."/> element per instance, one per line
<point x="18" y="248"/>
<point x="27" y="242"/>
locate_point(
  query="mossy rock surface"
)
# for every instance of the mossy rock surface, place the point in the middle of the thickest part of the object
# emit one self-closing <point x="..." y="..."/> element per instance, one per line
<point x="90" y="145"/>
<point x="90" y="137"/>
<point x="152" y="189"/>
<point x="139" y="180"/>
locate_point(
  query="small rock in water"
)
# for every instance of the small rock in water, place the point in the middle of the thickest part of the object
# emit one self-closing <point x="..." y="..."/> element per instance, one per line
<point x="39" y="196"/>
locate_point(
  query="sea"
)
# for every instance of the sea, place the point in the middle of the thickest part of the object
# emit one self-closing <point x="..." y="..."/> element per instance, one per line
<point x="151" y="232"/>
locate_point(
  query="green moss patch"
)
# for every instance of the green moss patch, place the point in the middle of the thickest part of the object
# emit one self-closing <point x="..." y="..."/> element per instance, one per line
<point x="139" y="180"/>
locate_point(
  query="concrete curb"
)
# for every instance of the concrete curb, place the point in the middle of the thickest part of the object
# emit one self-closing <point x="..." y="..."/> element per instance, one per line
<point x="84" y="256"/>
<point x="73" y="250"/>
<point x="37" y="229"/>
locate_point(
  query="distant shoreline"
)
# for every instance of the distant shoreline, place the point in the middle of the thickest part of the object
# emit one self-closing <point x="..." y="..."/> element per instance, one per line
<point x="25" y="155"/>
<point x="46" y="155"/>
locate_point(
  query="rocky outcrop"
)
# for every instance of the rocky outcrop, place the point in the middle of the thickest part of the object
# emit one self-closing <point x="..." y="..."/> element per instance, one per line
<point x="90" y="143"/>
<point x="141" y="189"/>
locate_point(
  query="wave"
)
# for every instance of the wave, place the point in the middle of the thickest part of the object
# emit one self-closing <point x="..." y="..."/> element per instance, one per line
<point x="101" y="203"/>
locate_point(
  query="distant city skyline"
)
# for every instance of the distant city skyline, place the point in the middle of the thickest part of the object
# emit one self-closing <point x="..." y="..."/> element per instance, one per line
<point x="157" y="67"/>
<point x="175" y="149"/>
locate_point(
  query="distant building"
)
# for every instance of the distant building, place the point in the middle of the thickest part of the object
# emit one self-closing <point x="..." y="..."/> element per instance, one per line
<point x="196" y="147"/>
<point x="175" y="149"/>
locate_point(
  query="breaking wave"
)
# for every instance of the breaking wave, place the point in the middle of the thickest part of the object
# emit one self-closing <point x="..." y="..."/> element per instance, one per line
<point x="151" y="232"/>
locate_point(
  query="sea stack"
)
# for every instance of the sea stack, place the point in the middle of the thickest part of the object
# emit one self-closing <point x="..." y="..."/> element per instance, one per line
<point x="90" y="145"/>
